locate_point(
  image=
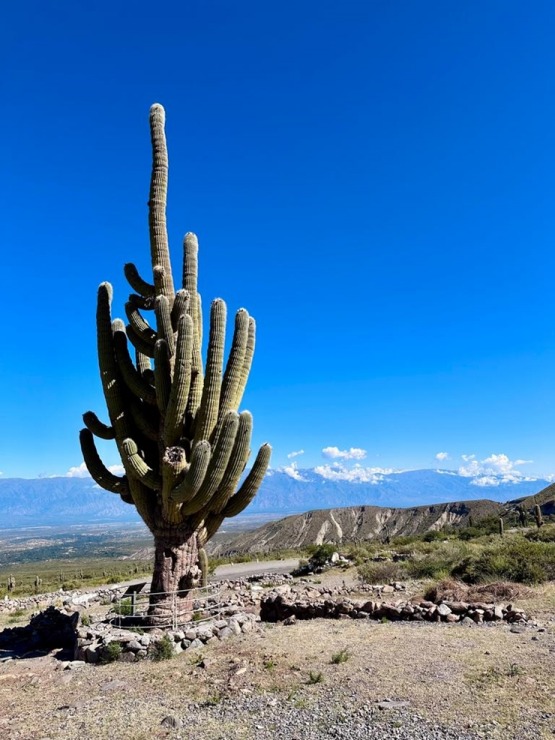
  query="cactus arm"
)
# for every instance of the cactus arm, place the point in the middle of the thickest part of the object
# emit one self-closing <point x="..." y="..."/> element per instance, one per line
<point x="164" y="322"/>
<point x="180" y="306"/>
<point x="218" y="464"/>
<point x="132" y="377"/>
<point x="98" y="428"/>
<point x="191" y="483"/>
<point x="203" y="562"/>
<point x="111" y="379"/>
<point x="200" y="324"/>
<point x="177" y="403"/>
<point x="99" y="472"/>
<point x="247" y="364"/>
<point x="159" y="247"/>
<point x="162" y="374"/>
<point x="145" y="304"/>
<point x="138" y="467"/>
<point x="139" y="285"/>
<point x="235" y="361"/>
<point x="251" y="484"/>
<point x="142" y="419"/>
<point x="209" y="528"/>
<point x="142" y="362"/>
<point x="190" y="272"/>
<point x="141" y="327"/>
<point x="236" y="465"/>
<point x="190" y="281"/>
<point x="207" y="416"/>
<point x="142" y="345"/>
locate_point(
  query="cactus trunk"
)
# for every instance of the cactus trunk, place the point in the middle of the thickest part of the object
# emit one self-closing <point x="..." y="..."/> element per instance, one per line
<point x="176" y="573"/>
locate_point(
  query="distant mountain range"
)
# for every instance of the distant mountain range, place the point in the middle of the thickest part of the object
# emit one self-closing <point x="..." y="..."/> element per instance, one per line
<point x="65" y="500"/>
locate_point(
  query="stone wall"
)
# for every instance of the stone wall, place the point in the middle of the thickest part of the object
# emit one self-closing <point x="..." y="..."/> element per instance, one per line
<point x="288" y="607"/>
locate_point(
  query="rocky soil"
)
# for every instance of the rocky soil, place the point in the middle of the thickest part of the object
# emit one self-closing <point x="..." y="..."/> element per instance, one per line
<point x="316" y="679"/>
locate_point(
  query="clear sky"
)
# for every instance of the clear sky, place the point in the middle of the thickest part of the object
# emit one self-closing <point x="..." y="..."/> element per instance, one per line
<point x="373" y="180"/>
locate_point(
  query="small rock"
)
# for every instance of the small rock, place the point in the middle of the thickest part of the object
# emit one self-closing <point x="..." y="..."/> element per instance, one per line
<point x="115" y="685"/>
<point x="390" y="704"/>
<point x="170" y="721"/>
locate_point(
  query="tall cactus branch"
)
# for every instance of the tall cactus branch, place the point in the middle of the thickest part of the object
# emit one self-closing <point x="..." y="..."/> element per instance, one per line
<point x="177" y="427"/>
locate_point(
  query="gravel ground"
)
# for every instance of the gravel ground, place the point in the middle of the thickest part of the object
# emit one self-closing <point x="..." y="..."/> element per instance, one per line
<point x="443" y="681"/>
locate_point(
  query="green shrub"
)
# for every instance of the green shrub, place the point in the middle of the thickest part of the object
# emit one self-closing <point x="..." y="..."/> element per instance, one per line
<point x="341" y="657"/>
<point x="321" y="554"/>
<point x="516" y="560"/>
<point x="111" y="652"/>
<point x="163" y="649"/>
<point x="436" y="561"/>
<point x="545" y="534"/>
<point x="433" y="535"/>
<point x="315" y="677"/>
<point x="124" y="608"/>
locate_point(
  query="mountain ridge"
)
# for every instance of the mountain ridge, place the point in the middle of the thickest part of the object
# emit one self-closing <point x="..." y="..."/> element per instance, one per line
<point x="74" y="500"/>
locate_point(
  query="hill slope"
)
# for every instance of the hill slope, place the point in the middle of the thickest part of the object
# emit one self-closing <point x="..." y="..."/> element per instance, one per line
<point x="355" y="523"/>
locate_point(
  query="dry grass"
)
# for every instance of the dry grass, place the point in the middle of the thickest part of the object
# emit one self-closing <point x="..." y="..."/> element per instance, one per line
<point x="497" y="591"/>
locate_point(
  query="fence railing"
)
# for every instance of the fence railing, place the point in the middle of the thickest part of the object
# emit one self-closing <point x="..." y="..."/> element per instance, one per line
<point x="174" y="609"/>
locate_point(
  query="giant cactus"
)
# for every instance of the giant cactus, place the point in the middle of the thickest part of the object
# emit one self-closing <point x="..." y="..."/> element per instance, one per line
<point x="182" y="441"/>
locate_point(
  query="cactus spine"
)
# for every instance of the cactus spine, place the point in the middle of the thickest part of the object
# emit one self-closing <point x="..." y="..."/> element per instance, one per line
<point x="176" y="425"/>
<point x="538" y="516"/>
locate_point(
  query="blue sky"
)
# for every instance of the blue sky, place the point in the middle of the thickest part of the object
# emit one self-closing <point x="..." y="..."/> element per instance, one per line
<point x="373" y="181"/>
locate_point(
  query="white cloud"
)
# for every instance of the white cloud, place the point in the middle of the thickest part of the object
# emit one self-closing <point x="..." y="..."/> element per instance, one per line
<point x="293" y="472"/>
<point x="442" y="456"/>
<point x="356" y="474"/>
<point x="295" y="454"/>
<point x="493" y="470"/>
<point x="79" y="471"/>
<point x="355" y="453"/>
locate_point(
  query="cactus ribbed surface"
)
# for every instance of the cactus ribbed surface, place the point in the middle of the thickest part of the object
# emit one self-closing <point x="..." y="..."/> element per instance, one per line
<point x="538" y="516"/>
<point x="182" y="441"/>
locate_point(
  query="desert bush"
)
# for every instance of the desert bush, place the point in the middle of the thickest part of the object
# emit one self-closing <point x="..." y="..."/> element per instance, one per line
<point x="438" y="560"/>
<point x="433" y="535"/>
<point x="315" y="677"/>
<point x="545" y="534"/>
<point x="321" y="554"/>
<point x="516" y="560"/>
<point x="124" y="608"/>
<point x="382" y="572"/>
<point x="163" y="649"/>
<point x="111" y="652"/>
<point x="341" y="657"/>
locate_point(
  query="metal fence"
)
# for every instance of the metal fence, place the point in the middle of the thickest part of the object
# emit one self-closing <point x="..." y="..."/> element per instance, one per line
<point x="174" y="609"/>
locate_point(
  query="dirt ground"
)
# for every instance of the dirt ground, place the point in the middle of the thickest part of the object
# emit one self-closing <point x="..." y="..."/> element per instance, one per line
<point x="492" y="680"/>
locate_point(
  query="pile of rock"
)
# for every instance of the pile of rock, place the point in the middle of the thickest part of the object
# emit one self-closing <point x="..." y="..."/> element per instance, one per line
<point x="105" y="643"/>
<point x="104" y="594"/>
<point x="287" y="607"/>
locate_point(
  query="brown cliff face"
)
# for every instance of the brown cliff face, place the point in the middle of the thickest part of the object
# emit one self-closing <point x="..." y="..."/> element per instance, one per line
<point x="355" y="523"/>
